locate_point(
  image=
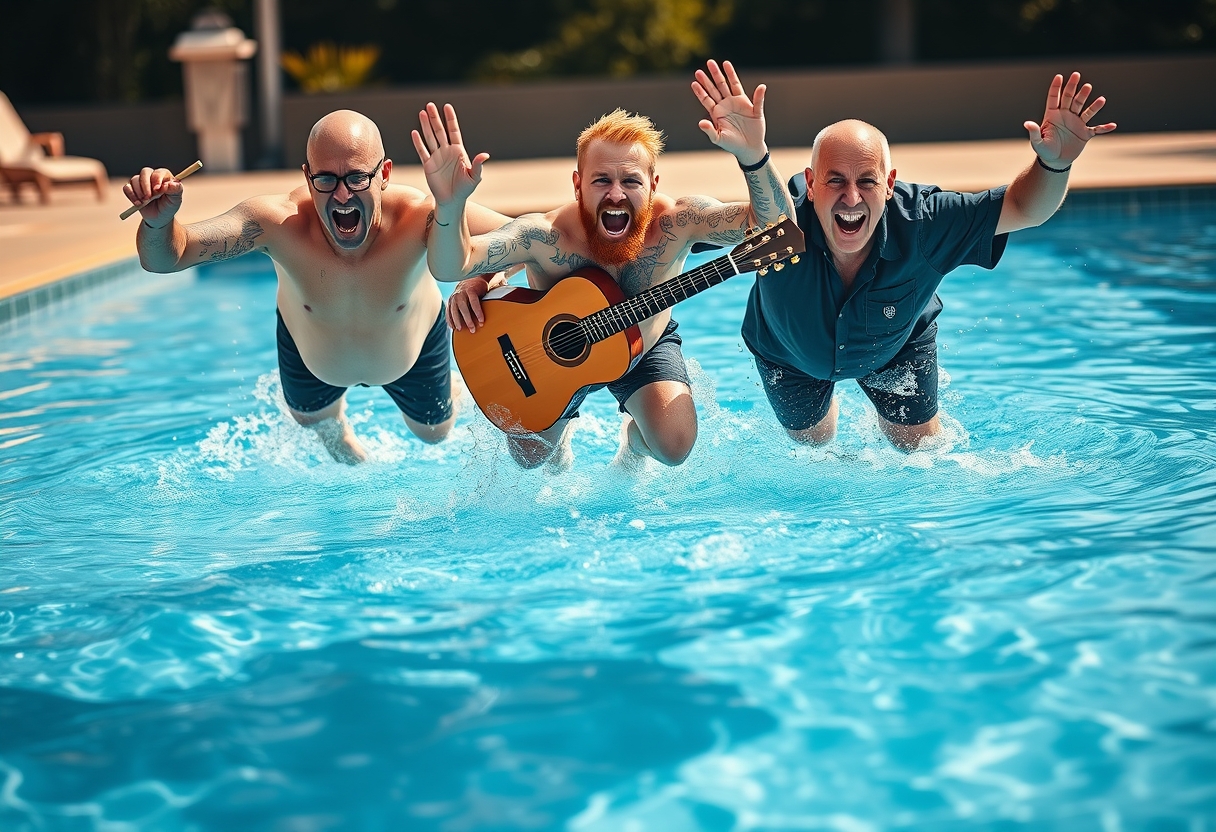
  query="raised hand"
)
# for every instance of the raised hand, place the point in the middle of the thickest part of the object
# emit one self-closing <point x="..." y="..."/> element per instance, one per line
<point x="159" y="194"/>
<point x="1061" y="137"/>
<point x="736" y="122"/>
<point x="449" y="173"/>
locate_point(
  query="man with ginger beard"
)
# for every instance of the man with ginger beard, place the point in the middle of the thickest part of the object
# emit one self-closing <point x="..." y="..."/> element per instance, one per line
<point x="619" y="222"/>
<point x="356" y="304"/>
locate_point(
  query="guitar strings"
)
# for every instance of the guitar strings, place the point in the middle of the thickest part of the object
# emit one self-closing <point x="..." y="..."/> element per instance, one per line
<point x="635" y="305"/>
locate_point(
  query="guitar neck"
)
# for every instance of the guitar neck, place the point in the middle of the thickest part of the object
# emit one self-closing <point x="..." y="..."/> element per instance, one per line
<point x="620" y="316"/>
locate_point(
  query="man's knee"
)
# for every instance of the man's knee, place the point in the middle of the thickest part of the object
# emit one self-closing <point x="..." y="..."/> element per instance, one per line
<point x="430" y="434"/>
<point x="819" y="433"/>
<point x="909" y="437"/>
<point x="673" y="443"/>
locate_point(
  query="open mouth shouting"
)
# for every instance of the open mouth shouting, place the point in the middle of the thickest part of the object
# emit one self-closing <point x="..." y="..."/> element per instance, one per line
<point x="849" y="222"/>
<point x="346" y="219"/>
<point x="614" y="222"/>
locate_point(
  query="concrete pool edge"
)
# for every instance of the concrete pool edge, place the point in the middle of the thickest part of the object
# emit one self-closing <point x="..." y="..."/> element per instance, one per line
<point x="46" y="289"/>
<point x="22" y="304"/>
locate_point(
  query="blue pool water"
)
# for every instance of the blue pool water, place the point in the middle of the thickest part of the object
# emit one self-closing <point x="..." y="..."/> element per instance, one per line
<point x="205" y="624"/>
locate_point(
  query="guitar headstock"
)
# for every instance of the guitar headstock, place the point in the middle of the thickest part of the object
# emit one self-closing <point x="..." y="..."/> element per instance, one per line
<point x="769" y="247"/>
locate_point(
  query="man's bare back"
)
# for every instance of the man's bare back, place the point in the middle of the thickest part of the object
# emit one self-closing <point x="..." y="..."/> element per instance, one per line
<point x="356" y="302"/>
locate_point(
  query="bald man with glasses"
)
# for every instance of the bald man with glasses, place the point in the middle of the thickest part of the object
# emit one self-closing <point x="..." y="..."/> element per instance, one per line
<point x="356" y="304"/>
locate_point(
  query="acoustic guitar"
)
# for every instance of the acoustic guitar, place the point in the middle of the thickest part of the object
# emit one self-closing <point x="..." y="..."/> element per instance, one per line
<point x="537" y="350"/>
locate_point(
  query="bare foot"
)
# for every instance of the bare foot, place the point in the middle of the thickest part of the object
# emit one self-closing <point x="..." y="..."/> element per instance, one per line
<point x="627" y="459"/>
<point x="562" y="459"/>
<point x="339" y="439"/>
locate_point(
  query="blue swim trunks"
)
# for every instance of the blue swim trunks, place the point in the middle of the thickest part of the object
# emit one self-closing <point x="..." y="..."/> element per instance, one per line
<point x="424" y="393"/>
<point x="663" y="362"/>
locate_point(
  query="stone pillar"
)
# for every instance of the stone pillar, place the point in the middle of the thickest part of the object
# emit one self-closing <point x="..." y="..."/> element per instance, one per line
<point x="212" y="53"/>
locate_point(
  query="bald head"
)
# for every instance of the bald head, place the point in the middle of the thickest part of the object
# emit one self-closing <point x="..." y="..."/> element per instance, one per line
<point x="348" y="134"/>
<point x="851" y="134"/>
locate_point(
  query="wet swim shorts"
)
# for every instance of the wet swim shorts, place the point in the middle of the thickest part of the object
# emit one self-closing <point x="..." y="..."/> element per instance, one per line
<point x="424" y="393"/>
<point x="904" y="390"/>
<point x="664" y="362"/>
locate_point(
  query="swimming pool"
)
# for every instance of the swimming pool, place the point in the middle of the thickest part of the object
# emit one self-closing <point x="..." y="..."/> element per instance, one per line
<point x="205" y="624"/>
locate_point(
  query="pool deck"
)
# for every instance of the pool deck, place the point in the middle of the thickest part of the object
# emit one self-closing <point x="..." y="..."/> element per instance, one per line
<point x="40" y="245"/>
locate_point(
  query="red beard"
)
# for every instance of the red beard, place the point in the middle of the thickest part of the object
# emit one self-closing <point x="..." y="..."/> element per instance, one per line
<point x="607" y="252"/>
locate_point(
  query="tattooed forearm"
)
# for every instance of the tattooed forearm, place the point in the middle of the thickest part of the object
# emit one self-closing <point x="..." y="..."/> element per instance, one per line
<point x="762" y="203"/>
<point x="503" y="244"/>
<point x="715" y="221"/>
<point x="781" y="196"/>
<point x="216" y="241"/>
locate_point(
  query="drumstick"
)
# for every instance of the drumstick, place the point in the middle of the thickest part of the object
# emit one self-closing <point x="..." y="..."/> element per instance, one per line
<point x="192" y="169"/>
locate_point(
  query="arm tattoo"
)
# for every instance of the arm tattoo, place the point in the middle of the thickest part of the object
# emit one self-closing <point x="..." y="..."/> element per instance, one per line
<point x="639" y="274"/>
<point x="780" y="194"/>
<point x="506" y="241"/>
<point x="212" y="234"/>
<point x="761" y="204"/>
<point x="724" y="220"/>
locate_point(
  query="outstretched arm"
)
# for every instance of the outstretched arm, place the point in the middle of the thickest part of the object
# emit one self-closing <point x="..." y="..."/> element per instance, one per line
<point x="736" y="124"/>
<point x="166" y="245"/>
<point x="1037" y="192"/>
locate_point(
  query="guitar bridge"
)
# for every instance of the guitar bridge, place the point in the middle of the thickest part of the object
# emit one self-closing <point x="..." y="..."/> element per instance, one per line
<point x="515" y="365"/>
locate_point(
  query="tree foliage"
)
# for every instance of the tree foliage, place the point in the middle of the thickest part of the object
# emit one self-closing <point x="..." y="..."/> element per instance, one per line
<point x="618" y="38"/>
<point x="117" y="50"/>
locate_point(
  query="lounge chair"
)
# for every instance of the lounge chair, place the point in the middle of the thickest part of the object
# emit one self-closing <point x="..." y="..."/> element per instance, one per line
<point x="38" y="158"/>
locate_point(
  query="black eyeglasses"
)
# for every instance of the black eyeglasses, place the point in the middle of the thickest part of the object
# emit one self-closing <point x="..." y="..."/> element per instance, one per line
<point x="356" y="180"/>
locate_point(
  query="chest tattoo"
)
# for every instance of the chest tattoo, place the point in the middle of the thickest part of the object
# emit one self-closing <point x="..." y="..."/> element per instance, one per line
<point x="638" y="275"/>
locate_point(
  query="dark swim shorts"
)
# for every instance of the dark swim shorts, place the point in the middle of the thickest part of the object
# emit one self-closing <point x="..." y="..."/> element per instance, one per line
<point x="904" y="391"/>
<point x="424" y="393"/>
<point x="664" y="362"/>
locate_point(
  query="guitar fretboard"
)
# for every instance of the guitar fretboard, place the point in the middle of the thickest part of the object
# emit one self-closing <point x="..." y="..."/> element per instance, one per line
<point x="619" y="317"/>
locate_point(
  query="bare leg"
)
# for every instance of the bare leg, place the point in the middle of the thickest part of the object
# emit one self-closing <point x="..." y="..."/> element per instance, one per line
<point x="535" y="449"/>
<point x="821" y="432"/>
<point x="909" y="437"/>
<point x="334" y="431"/>
<point x="661" y="424"/>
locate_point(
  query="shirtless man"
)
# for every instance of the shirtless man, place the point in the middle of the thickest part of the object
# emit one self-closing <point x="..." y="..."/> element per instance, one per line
<point x="356" y="304"/>
<point x="617" y="221"/>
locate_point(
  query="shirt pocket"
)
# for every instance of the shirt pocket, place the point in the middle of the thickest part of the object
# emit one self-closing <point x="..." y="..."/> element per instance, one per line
<point x="890" y="309"/>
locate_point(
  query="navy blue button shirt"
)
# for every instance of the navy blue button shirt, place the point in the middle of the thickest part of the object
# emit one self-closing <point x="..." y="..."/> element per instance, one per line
<point x="802" y="318"/>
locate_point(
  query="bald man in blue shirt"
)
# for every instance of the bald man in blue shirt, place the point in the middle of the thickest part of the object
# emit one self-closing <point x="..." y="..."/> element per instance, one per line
<point x="862" y="302"/>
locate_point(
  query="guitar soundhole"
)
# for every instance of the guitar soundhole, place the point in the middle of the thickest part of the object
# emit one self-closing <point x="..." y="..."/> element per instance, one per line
<point x="565" y="342"/>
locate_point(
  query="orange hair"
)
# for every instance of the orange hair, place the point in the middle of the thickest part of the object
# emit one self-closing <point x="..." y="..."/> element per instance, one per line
<point x="620" y="127"/>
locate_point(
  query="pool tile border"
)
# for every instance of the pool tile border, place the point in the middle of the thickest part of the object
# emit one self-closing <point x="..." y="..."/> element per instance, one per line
<point x="23" y="304"/>
<point x="1081" y="205"/>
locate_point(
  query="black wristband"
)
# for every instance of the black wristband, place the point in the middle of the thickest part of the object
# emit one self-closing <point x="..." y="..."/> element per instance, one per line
<point x="755" y="167"/>
<point x="1045" y="166"/>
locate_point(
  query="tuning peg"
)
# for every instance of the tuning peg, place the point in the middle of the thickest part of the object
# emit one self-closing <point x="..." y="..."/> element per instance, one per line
<point x="780" y="232"/>
<point x="778" y="266"/>
<point x="794" y="259"/>
<point x="764" y="271"/>
<point x="757" y="263"/>
<point x="782" y="218"/>
<point x="769" y="225"/>
<point x="765" y="239"/>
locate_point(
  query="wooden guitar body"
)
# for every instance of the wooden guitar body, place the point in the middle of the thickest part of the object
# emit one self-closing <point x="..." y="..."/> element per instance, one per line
<point x="525" y="364"/>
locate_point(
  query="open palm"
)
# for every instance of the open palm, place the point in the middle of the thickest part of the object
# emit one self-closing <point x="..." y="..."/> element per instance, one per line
<point x="736" y="122"/>
<point x="1061" y="137"/>
<point x="450" y="175"/>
